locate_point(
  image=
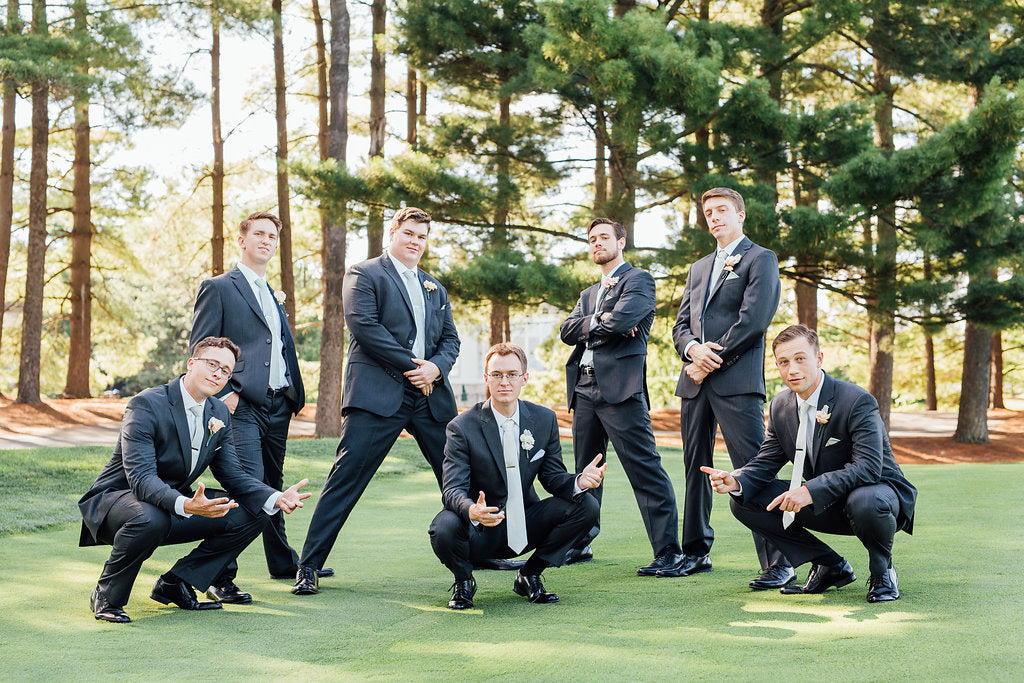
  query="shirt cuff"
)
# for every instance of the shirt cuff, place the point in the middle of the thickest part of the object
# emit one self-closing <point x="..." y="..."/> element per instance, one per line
<point x="270" y="507"/>
<point x="576" y="489"/>
<point x="179" y="506"/>
<point x="686" y="351"/>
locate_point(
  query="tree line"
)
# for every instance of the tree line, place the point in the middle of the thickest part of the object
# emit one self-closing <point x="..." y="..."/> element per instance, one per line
<point x="878" y="144"/>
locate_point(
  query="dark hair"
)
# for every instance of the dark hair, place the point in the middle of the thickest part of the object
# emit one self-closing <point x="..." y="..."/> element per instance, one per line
<point x="796" y="332"/>
<point x="506" y="349"/>
<point x="216" y="343"/>
<point x="410" y="213"/>
<point x="732" y="195"/>
<point x="244" y="226"/>
<point x="620" y="232"/>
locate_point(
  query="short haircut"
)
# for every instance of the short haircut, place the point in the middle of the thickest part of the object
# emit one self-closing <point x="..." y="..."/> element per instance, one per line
<point x="244" y="226"/>
<point x="506" y="349"/>
<point x="216" y="343"/>
<point x="733" y="195"/>
<point x="795" y="332"/>
<point x="410" y="213"/>
<point x="620" y="232"/>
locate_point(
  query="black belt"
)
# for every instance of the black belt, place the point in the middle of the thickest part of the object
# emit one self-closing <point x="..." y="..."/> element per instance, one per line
<point x="274" y="393"/>
<point x="587" y="370"/>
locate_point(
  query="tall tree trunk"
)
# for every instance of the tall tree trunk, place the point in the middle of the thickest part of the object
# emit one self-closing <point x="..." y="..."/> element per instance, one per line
<point x="322" y="101"/>
<point x="80" y="347"/>
<point x="421" y="117"/>
<point x="375" y="218"/>
<point x="623" y="162"/>
<point x="997" y="371"/>
<point x="500" y="237"/>
<point x="410" y="105"/>
<point x="32" y="314"/>
<point x="771" y="19"/>
<point x="332" y="349"/>
<point x="806" y="264"/>
<point x="882" y="304"/>
<point x="217" y="241"/>
<point x="600" y="173"/>
<point x="7" y="168"/>
<point x="283" y="202"/>
<point x="972" y="416"/>
<point x="931" y="398"/>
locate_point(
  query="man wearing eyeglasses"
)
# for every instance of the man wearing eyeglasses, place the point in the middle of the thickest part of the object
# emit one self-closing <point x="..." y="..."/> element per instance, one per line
<point x="494" y="452"/>
<point x="143" y="498"/>
<point x="265" y="389"/>
<point x="606" y="377"/>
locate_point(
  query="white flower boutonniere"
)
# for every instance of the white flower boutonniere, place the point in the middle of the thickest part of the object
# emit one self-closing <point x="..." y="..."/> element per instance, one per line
<point x="526" y="439"/>
<point x="731" y="262"/>
<point x="609" y="282"/>
<point x="214" y="425"/>
<point x="823" y="415"/>
<point x="429" y="287"/>
<point x="280" y="296"/>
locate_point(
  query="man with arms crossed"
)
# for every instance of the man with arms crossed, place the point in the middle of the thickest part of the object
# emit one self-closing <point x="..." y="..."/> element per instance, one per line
<point x="606" y="378"/>
<point x="494" y="452"/>
<point x="403" y="346"/>
<point x="845" y="478"/>
<point x="266" y="388"/>
<point x="728" y="303"/>
<point x="143" y="497"/>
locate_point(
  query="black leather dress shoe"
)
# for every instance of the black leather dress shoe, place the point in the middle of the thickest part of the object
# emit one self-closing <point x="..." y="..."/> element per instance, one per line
<point x="577" y="555"/>
<point x="884" y="588"/>
<point x="228" y="593"/>
<point x="180" y="593"/>
<point x="822" y="577"/>
<point x="306" y="582"/>
<point x="667" y="558"/>
<point x="462" y="594"/>
<point x="104" y="611"/>
<point x="776" y="576"/>
<point x="321" y="573"/>
<point x="688" y="564"/>
<point x="498" y="564"/>
<point x="529" y="586"/>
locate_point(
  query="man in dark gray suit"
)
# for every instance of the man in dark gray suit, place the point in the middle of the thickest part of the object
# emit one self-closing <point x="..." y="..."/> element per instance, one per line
<point x="143" y="498"/>
<point x="494" y="452"/>
<point x="266" y="387"/>
<point x="404" y="344"/>
<point x="846" y="480"/>
<point x="606" y="380"/>
<point x="729" y="301"/>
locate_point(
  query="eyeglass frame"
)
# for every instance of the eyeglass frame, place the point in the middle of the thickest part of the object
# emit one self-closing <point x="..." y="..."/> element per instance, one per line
<point x="502" y="376"/>
<point x="215" y="368"/>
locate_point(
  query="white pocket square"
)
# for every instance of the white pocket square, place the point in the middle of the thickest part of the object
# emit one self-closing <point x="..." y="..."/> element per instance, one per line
<point x="731" y="276"/>
<point x="831" y="441"/>
<point x="540" y="454"/>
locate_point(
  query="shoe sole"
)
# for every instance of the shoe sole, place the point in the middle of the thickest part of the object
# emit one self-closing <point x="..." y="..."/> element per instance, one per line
<point x="773" y="587"/>
<point x="305" y="591"/>
<point x="679" y="576"/>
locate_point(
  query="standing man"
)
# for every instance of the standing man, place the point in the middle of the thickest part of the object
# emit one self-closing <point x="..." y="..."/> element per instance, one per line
<point x="143" y="497"/>
<point x="404" y="344"/>
<point x="494" y="452"/>
<point x="266" y="388"/>
<point x="606" y="379"/>
<point x="845" y="479"/>
<point x="728" y="303"/>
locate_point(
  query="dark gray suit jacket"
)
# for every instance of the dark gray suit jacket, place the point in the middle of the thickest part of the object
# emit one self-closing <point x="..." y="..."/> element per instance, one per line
<point x="620" y="360"/>
<point x="737" y="316"/>
<point x="852" y="449"/>
<point x="227" y="307"/>
<point x="474" y="460"/>
<point x="153" y="454"/>
<point x="379" y="317"/>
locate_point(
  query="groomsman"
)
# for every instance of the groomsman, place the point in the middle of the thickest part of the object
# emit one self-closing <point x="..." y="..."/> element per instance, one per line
<point x="266" y="387"/>
<point x="606" y="379"/>
<point x="494" y="452"/>
<point x="845" y="479"/>
<point x="404" y="344"/>
<point x="728" y="303"/>
<point x="143" y="497"/>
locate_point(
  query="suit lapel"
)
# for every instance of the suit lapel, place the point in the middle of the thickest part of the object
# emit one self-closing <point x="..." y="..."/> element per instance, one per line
<point x="389" y="268"/>
<point x="740" y="249"/>
<point x="492" y="436"/>
<point x="825" y="398"/>
<point x="180" y="423"/>
<point x="245" y="289"/>
<point x="621" y="274"/>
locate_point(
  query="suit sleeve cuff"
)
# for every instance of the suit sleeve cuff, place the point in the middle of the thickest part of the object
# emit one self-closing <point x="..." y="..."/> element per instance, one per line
<point x="179" y="506"/>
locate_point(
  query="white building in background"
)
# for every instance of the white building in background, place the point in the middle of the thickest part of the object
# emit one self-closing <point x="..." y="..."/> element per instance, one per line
<point x="467" y="375"/>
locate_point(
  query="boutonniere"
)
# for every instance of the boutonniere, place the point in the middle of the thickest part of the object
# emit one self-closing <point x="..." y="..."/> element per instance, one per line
<point x="280" y="296"/>
<point x="429" y="287"/>
<point x="731" y="262"/>
<point x="214" y="425"/>
<point x="526" y="439"/>
<point x="609" y="282"/>
<point x="822" y="415"/>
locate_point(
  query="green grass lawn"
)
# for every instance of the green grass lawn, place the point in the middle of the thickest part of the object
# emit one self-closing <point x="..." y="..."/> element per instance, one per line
<point x="383" y="616"/>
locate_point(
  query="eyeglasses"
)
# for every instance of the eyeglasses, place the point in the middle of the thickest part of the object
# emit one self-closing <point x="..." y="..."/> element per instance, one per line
<point x="216" y="368"/>
<point x="500" y="376"/>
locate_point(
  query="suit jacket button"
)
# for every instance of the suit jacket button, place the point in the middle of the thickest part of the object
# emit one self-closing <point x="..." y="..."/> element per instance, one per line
<point x="267" y="364"/>
<point x="270" y="341"/>
<point x="411" y="342"/>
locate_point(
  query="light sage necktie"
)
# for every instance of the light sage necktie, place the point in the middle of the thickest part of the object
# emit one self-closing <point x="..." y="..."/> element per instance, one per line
<point x="798" y="460"/>
<point x="197" y="434"/>
<point x="515" y="513"/>
<point x="419" y="314"/>
<point x="274" y="323"/>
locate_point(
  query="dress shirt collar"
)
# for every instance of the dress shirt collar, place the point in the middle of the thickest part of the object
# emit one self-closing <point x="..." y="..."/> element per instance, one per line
<point x="731" y="247"/>
<point x="612" y="274"/>
<point x="186" y="398"/>
<point x="813" y="400"/>
<point x="500" y="419"/>
<point x="401" y="267"/>
<point x="250" y="275"/>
